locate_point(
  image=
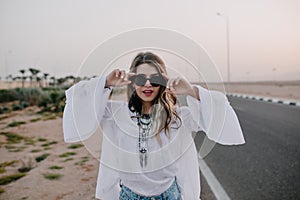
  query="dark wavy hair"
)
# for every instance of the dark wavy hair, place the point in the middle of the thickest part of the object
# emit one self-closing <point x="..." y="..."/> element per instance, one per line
<point x="165" y="102"/>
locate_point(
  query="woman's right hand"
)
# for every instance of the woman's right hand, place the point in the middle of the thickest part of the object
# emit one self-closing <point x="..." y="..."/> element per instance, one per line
<point x="118" y="78"/>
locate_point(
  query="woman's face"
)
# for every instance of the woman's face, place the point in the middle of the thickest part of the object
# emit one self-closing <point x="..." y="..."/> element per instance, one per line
<point x="146" y="92"/>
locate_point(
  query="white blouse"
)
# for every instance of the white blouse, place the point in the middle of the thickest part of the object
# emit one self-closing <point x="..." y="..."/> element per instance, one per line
<point x="88" y="107"/>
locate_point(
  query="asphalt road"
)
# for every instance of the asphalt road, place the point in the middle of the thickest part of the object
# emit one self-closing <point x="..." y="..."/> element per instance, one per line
<point x="268" y="165"/>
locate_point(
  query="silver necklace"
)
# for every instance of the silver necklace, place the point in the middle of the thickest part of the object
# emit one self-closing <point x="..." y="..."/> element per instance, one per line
<point x="144" y="123"/>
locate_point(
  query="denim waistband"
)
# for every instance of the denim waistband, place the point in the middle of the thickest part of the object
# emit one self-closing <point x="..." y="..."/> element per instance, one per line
<point x="171" y="193"/>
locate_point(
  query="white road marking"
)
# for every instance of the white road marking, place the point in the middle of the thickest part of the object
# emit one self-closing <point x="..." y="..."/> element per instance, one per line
<point x="212" y="181"/>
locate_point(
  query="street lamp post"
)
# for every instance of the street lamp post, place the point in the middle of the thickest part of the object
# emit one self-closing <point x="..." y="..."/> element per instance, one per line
<point x="6" y="62"/>
<point x="228" y="48"/>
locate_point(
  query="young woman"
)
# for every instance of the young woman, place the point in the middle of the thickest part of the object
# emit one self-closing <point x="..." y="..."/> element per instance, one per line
<point x="147" y="150"/>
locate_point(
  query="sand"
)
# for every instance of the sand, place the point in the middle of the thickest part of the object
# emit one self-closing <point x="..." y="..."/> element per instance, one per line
<point x="78" y="179"/>
<point x="285" y="90"/>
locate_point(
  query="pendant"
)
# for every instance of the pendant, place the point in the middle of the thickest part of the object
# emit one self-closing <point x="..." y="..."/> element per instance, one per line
<point x="143" y="159"/>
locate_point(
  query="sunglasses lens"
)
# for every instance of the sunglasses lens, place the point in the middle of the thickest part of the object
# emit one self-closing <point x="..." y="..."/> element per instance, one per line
<point x="140" y="80"/>
<point x="157" y="81"/>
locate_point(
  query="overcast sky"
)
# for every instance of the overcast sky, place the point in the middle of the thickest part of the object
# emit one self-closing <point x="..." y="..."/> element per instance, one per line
<point x="56" y="36"/>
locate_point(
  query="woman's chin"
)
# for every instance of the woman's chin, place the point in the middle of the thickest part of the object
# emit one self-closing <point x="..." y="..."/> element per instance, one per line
<point x="147" y="99"/>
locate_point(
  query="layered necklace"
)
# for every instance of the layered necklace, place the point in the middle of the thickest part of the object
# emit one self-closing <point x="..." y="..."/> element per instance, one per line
<point x="144" y="123"/>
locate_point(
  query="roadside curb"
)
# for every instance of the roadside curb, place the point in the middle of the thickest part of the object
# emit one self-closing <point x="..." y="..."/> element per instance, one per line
<point x="266" y="99"/>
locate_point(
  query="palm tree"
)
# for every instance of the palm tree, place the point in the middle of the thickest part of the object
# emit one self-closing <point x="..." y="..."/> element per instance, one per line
<point x="34" y="73"/>
<point x="30" y="78"/>
<point x="61" y="81"/>
<point x="45" y="78"/>
<point x="39" y="81"/>
<point x="15" y="79"/>
<point x="23" y="79"/>
<point x="70" y="78"/>
<point x="9" y="77"/>
<point x="53" y="80"/>
<point x="9" y="80"/>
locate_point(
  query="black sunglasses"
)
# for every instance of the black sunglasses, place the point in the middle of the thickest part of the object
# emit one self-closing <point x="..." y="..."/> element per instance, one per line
<point x="155" y="80"/>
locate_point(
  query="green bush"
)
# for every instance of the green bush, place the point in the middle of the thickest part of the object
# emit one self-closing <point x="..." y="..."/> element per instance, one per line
<point x="8" y="95"/>
<point x="5" y="164"/>
<point x="42" y="139"/>
<point x="55" y="167"/>
<point x="35" y="119"/>
<point x="44" y="100"/>
<point x="15" y="123"/>
<point x="35" y="150"/>
<point x="30" y="95"/>
<point x="42" y="157"/>
<point x="4" y="109"/>
<point x="24" y="104"/>
<point x="51" y="99"/>
<point x="67" y="154"/>
<point x="75" y="146"/>
<point x="49" y="143"/>
<point x="16" y="107"/>
<point x="83" y="161"/>
<point x="54" y="96"/>
<point x="20" y="106"/>
<point x="68" y="159"/>
<point x="12" y="138"/>
<point x="10" y="178"/>
<point x="51" y="176"/>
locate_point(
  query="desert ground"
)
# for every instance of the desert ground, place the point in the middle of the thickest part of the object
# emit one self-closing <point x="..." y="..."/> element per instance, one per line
<point x="67" y="172"/>
<point x="285" y="90"/>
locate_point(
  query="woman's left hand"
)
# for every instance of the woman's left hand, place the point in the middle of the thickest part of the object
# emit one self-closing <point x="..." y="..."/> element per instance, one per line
<point x="180" y="85"/>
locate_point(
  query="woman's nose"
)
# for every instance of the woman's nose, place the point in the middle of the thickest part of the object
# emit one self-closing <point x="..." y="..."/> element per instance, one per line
<point x="147" y="83"/>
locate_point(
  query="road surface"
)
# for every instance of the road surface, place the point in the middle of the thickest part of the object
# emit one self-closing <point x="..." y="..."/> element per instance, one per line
<point x="268" y="165"/>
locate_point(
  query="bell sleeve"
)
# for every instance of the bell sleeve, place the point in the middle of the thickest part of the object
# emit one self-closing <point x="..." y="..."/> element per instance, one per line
<point x="84" y="109"/>
<point x="214" y="115"/>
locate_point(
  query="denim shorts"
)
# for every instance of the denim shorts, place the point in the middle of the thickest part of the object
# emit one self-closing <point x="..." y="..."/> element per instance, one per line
<point x="172" y="193"/>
